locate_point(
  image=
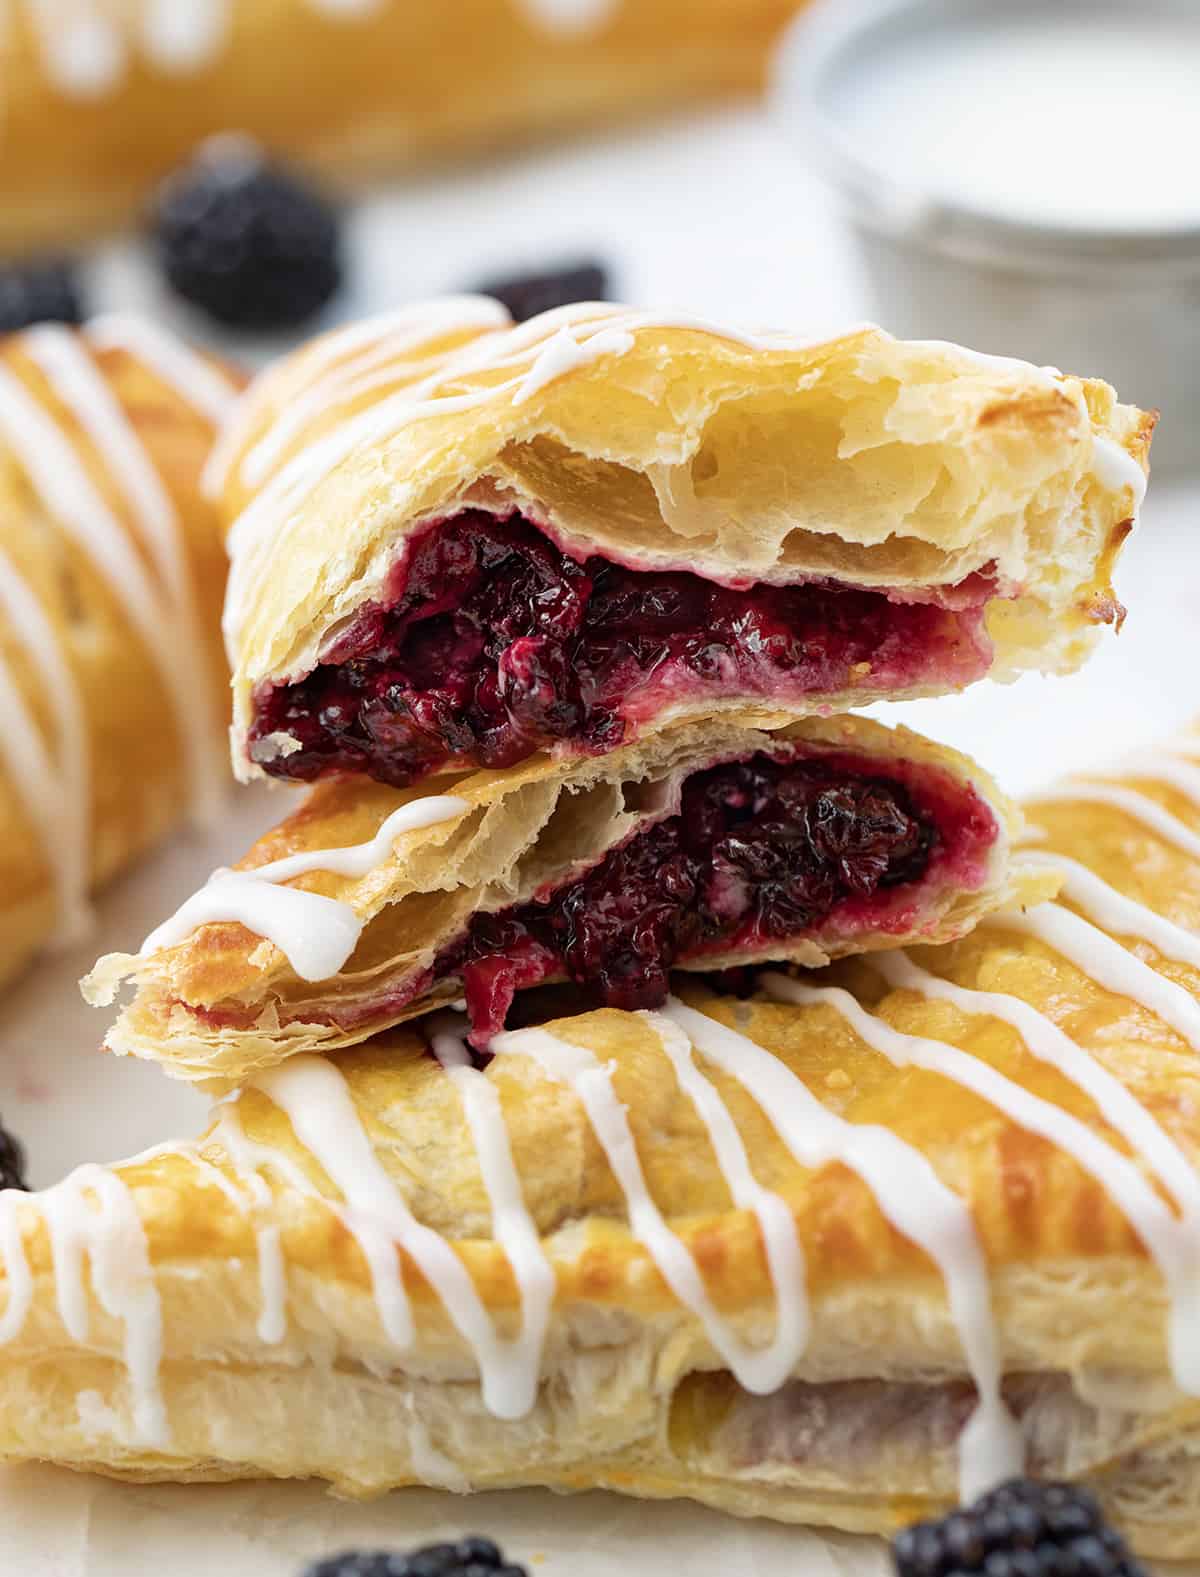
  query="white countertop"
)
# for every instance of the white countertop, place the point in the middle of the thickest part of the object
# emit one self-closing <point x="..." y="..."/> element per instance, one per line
<point x="711" y="215"/>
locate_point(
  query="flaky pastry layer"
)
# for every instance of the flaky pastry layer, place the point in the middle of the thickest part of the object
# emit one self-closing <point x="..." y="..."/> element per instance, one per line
<point x="225" y="1003"/>
<point x="917" y="469"/>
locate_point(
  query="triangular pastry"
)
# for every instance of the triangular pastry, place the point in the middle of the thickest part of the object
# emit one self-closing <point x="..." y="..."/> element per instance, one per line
<point x="838" y="1253"/>
<point x="456" y="542"/>
<point x="705" y="846"/>
<point x="111" y="578"/>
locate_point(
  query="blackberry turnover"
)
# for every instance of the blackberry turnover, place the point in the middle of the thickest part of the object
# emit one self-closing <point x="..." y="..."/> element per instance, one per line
<point x="704" y="846"/>
<point x="856" y="1248"/>
<point x="459" y="542"/>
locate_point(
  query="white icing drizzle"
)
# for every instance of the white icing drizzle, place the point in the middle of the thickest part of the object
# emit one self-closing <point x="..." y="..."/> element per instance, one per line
<point x="1180" y="774"/>
<point x="343" y="365"/>
<point x="317" y="1101"/>
<point x="109" y="1236"/>
<point x="533" y="353"/>
<point x="74" y="376"/>
<point x="86" y="46"/>
<point x="916" y="1202"/>
<point x="1115" y="468"/>
<point x="55" y="780"/>
<point x="195" y="379"/>
<point x="179" y="36"/>
<point x="1175" y="1245"/>
<point x="512" y="1225"/>
<point x="54" y="790"/>
<point x="760" y="1370"/>
<point x="571" y="16"/>
<point x="315" y="934"/>
<point x="272" y="1285"/>
<point x="1108" y="964"/>
<point x="1138" y="806"/>
<point x="1115" y="912"/>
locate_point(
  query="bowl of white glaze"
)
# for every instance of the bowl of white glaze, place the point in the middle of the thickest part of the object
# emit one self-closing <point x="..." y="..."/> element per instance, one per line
<point x="1022" y="176"/>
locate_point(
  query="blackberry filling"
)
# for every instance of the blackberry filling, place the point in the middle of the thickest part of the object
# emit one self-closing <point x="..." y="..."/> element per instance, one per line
<point x="760" y="850"/>
<point x="494" y="644"/>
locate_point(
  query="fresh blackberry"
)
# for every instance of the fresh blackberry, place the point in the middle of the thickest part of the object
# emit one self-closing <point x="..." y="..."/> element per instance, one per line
<point x="12" y="1162"/>
<point x="470" y="1557"/>
<point x="45" y="291"/>
<point x="1022" y="1529"/>
<point x="248" y="242"/>
<point x="525" y="295"/>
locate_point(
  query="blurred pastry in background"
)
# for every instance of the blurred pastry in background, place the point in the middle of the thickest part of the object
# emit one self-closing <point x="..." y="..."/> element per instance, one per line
<point x="112" y="571"/>
<point x="105" y="97"/>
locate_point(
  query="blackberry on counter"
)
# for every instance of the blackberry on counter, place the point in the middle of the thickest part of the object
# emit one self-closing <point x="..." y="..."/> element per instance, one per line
<point x="470" y="1557"/>
<point x="1022" y="1529"/>
<point x="248" y="242"/>
<point x="525" y="295"/>
<point x="12" y="1162"/>
<point x="41" y="291"/>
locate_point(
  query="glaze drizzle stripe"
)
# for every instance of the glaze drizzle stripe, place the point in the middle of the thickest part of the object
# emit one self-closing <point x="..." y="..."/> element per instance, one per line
<point x="512" y="1225"/>
<point x="757" y="1370"/>
<point x="197" y="381"/>
<point x="1111" y="966"/>
<point x="1116" y="912"/>
<point x="536" y="353"/>
<point x="74" y="377"/>
<point x="916" y="1202"/>
<point x="317" y="935"/>
<point x="58" y="476"/>
<point x="1175" y="1250"/>
<point x="55" y="791"/>
<point x="1140" y="807"/>
<point x="317" y="1101"/>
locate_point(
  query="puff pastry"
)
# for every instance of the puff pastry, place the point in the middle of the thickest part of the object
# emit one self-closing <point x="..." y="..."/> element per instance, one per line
<point x="457" y="541"/>
<point x="825" y="1255"/>
<point x="104" y="97"/>
<point x="111" y="578"/>
<point x="705" y="846"/>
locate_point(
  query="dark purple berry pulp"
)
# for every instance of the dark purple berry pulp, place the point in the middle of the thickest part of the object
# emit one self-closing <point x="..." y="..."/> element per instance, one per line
<point x="759" y="851"/>
<point x="494" y="644"/>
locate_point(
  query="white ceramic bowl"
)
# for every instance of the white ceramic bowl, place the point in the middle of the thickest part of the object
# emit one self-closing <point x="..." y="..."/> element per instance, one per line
<point x="1119" y="300"/>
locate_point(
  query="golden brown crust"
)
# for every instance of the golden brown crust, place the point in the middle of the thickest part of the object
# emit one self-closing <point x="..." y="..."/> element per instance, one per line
<point x="634" y="1395"/>
<point x="135" y="764"/>
<point x="354" y="96"/>
<point x="904" y="466"/>
<point x="224" y="1003"/>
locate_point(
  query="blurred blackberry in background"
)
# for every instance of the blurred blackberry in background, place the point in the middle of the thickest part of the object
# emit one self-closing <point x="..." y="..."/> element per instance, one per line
<point x="12" y="1161"/>
<point x="525" y="295"/>
<point x="248" y="242"/>
<point x="470" y="1557"/>
<point x="1022" y="1529"/>
<point x="45" y="290"/>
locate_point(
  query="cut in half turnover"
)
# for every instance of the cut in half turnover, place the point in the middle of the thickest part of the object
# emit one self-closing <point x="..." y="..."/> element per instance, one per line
<point x="703" y="847"/>
<point x="459" y="542"/>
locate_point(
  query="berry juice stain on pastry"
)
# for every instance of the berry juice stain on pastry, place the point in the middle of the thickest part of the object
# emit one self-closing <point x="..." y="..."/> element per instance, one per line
<point x="459" y="541"/>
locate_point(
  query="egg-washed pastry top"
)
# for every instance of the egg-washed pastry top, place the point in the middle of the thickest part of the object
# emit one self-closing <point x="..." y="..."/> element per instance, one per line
<point x="457" y="541"/>
<point x="838" y="1253"/>
<point x="112" y="678"/>
<point x="704" y="846"/>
